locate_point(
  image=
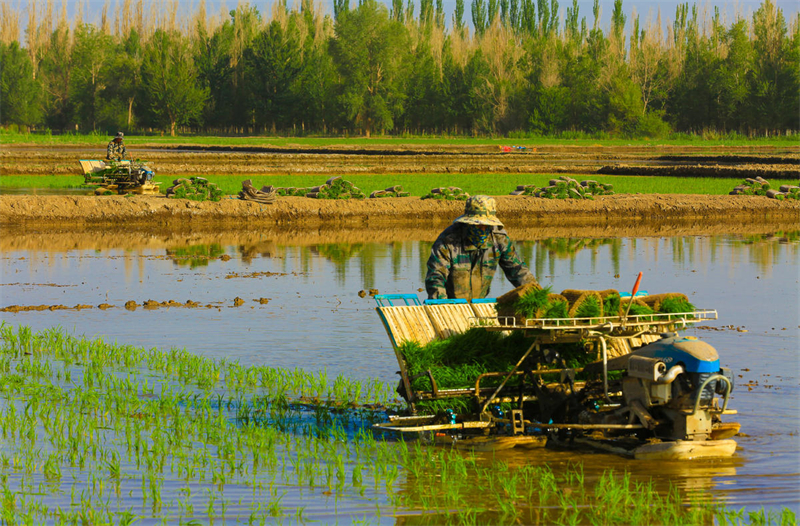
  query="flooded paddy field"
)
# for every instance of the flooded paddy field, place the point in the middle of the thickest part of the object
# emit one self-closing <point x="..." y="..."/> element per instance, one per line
<point x="262" y="413"/>
<point x="396" y="157"/>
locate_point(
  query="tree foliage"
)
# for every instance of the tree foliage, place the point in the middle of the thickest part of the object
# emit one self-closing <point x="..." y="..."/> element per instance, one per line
<point x="170" y="94"/>
<point x="367" y="69"/>
<point x="19" y="93"/>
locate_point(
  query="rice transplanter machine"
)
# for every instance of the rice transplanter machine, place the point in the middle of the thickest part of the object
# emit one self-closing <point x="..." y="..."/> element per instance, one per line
<point x="650" y="393"/>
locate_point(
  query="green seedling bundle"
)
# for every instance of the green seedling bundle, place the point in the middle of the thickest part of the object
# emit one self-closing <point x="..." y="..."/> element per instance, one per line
<point x="195" y="189"/>
<point x="566" y="187"/>
<point x="392" y="191"/>
<point x="456" y="362"/>
<point x="760" y="186"/>
<point x="417" y="184"/>
<point x="449" y="193"/>
<point x="541" y="303"/>
<point x="334" y="188"/>
<point x="98" y="433"/>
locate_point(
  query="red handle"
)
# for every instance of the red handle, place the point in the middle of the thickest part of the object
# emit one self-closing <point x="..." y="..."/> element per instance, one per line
<point x="636" y="285"/>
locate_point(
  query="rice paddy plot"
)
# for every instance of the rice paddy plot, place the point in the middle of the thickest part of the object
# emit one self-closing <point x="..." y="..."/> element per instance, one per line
<point x="96" y="433"/>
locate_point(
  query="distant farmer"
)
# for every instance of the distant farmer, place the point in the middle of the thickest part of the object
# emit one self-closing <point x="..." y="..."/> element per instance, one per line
<point x="466" y="254"/>
<point x="116" y="150"/>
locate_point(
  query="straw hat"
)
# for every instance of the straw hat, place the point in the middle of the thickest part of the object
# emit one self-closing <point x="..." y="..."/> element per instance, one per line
<point x="480" y="210"/>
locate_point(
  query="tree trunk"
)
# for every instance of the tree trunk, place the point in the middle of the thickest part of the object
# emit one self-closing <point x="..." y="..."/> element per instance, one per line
<point x="172" y="128"/>
<point x="130" y="111"/>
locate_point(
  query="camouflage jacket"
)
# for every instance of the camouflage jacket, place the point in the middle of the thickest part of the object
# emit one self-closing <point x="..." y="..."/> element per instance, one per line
<point x="116" y="152"/>
<point x="459" y="270"/>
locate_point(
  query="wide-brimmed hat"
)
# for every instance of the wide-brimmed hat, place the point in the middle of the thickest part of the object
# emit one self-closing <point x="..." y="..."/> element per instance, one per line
<point x="480" y="210"/>
<point x="119" y="135"/>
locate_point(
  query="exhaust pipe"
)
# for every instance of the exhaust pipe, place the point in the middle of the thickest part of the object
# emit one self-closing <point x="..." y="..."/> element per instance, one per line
<point x="670" y="375"/>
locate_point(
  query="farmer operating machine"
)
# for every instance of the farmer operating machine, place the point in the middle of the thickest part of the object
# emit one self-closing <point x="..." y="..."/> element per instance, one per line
<point x="617" y="381"/>
<point x="119" y="176"/>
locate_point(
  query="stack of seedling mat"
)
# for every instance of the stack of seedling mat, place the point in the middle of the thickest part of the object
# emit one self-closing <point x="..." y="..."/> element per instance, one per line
<point x="760" y="186"/>
<point x="266" y="195"/>
<point x="447" y="193"/>
<point x="457" y="361"/>
<point x="195" y="189"/>
<point x="566" y="188"/>
<point x="336" y="188"/>
<point x="531" y="301"/>
<point x="392" y="191"/>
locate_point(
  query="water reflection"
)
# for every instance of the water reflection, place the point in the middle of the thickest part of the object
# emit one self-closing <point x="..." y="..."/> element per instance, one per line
<point x="545" y="257"/>
<point x="195" y="255"/>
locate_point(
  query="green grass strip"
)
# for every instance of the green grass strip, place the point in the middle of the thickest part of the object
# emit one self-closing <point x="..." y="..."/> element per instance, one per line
<point x="10" y="137"/>
<point x="420" y="184"/>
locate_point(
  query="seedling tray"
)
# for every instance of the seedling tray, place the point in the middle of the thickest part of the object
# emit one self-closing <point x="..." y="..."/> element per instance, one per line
<point x="606" y="324"/>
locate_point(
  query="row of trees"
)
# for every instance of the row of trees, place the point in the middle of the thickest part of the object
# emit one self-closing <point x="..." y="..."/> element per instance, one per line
<point x="371" y="68"/>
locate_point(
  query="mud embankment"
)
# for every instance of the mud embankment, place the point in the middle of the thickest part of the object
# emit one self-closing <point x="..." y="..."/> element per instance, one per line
<point x="407" y="211"/>
<point x="390" y="158"/>
<point x="739" y="171"/>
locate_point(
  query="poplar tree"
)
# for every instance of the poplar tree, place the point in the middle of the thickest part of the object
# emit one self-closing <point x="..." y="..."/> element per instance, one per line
<point x="170" y="93"/>
<point x="368" y="48"/>
<point x="19" y="92"/>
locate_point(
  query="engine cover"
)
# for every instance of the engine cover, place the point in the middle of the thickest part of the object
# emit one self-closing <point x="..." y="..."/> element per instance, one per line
<point x="695" y="355"/>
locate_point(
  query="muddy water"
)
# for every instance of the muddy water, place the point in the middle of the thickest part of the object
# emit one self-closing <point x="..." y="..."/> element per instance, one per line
<point x="301" y="308"/>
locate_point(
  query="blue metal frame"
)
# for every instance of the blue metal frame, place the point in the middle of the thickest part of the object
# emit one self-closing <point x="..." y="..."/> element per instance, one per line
<point x="628" y="294"/>
<point x="387" y="300"/>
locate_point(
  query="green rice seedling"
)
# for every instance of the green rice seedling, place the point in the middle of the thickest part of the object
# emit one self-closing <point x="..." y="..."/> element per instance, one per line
<point x="611" y="304"/>
<point x="640" y="310"/>
<point x="52" y="467"/>
<point x="556" y="309"/>
<point x="589" y="308"/>
<point x="154" y="441"/>
<point x="675" y="305"/>
<point x="529" y="304"/>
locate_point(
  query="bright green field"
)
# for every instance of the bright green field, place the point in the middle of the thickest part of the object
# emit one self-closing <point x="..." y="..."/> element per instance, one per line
<point x="7" y="137"/>
<point x="421" y="184"/>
